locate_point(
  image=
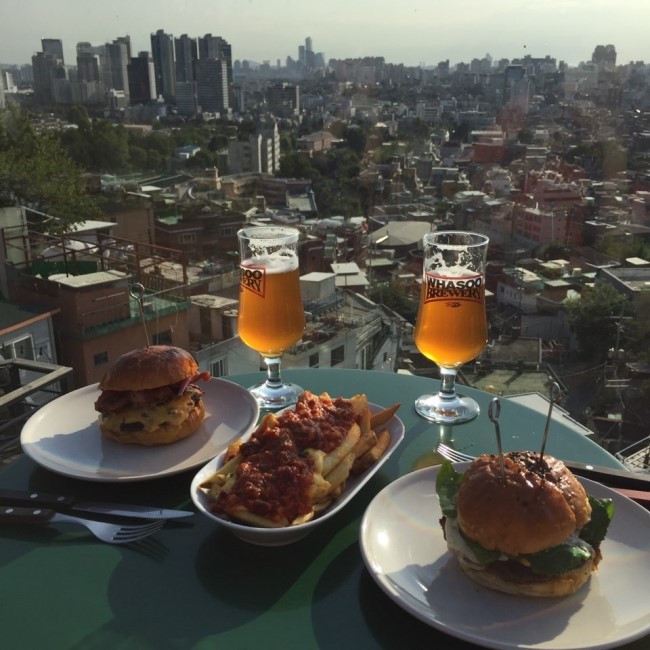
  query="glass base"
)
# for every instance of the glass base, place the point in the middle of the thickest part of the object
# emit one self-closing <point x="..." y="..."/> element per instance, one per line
<point x="273" y="397"/>
<point x="445" y="409"/>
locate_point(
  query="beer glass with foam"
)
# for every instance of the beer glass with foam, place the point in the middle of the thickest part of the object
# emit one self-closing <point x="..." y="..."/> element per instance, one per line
<point x="271" y="315"/>
<point x="451" y="327"/>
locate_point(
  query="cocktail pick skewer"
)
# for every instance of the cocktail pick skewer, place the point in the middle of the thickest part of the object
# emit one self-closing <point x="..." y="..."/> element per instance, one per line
<point x="554" y="394"/>
<point x="137" y="292"/>
<point x="493" y="413"/>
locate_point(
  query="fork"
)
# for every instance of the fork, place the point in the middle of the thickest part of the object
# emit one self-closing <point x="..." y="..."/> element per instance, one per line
<point x="453" y="455"/>
<point x="111" y="533"/>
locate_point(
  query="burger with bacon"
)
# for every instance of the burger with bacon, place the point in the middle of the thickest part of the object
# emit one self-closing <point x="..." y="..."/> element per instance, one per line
<point x="150" y="397"/>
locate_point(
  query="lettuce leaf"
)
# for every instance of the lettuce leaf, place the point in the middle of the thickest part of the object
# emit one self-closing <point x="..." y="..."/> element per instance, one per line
<point x="447" y="482"/>
<point x="560" y="559"/>
<point x="602" y="512"/>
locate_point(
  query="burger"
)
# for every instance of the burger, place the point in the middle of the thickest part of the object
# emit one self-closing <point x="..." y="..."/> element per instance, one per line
<point x="528" y="530"/>
<point x="149" y="396"/>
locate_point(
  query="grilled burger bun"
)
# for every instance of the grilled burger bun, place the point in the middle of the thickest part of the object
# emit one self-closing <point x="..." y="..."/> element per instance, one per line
<point x="149" y="396"/>
<point x="521" y="535"/>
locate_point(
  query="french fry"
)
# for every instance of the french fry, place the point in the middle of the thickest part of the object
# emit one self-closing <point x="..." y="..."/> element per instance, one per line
<point x="374" y="454"/>
<point x="365" y="442"/>
<point x="241" y="514"/>
<point x="340" y="473"/>
<point x="332" y="459"/>
<point x="380" y="418"/>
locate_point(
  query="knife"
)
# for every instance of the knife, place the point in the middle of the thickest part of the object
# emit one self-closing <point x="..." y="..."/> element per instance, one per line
<point x="72" y="504"/>
<point x="616" y="478"/>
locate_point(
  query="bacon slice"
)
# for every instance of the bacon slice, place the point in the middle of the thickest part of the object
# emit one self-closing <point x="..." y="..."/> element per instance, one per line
<point x="111" y="401"/>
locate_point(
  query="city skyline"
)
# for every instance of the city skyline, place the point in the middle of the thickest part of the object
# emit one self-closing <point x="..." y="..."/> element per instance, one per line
<point x="423" y="32"/>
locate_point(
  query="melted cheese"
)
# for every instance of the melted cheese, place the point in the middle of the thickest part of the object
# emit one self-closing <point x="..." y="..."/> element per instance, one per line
<point x="152" y="417"/>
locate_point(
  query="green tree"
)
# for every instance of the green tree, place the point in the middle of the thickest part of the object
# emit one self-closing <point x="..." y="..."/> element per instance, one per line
<point x="36" y="172"/>
<point x="595" y="318"/>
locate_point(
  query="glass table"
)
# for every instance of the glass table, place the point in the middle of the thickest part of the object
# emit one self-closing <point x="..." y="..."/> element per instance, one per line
<point x="193" y="585"/>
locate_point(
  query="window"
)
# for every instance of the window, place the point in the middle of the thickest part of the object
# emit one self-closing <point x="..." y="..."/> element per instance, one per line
<point x="22" y="348"/>
<point x="219" y="368"/>
<point x="187" y="238"/>
<point x="101" y="357"/>
<point x="314" y="360"/>
<point x="163" y="338"/>
<point x="338" y="354"/>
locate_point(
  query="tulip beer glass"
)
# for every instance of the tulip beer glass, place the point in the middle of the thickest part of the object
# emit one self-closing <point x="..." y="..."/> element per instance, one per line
<point x="451" y="327"/>
<point x="271" y="315"/>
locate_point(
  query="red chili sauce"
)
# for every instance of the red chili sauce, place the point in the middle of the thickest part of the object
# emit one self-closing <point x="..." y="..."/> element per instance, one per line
<point x="274" y="479"/>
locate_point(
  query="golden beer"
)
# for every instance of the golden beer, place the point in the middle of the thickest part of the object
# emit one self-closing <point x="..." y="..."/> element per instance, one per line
<point x="271" y="316"/>
<point x="451" y="327"/>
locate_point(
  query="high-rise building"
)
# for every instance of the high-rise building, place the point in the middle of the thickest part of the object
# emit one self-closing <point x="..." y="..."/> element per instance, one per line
<point x="162" y="50"/>
<point x="215" y="47"/>
<point x="211" y="77"/>
<point x="186" y="53"/>
<point x="309" y="54"/>
<point x="186" y="101"/>
<point x="117" y="61"/>
<point x="87" y="63"/>
<point x="53" y="46"/>
<point x="283" y="99"/>
<point x="142" y="81"/>
<point x="46" y="67"/>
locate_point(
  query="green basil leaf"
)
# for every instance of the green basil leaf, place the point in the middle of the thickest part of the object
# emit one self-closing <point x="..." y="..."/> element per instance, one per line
<point x="602" y="512"/>
<point x="561" y="558"/>
<point x="447" y="482"/>
<point x="482" y="554"/>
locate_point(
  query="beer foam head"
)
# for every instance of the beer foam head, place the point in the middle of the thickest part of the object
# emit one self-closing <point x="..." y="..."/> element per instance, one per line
<point x="453" y="253"/>
<point x="276" y="263"/>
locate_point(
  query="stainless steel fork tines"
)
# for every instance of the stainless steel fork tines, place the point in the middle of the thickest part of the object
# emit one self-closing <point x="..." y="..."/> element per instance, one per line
<point x="453" y="455"/>
<point x="112" y="533"/>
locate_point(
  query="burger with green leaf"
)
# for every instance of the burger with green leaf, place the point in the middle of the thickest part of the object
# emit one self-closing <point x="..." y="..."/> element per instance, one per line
<point x="522" y="524"/>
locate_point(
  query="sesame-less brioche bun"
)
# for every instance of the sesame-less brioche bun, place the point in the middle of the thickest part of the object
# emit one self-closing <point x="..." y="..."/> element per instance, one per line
<point x="152" y="367"/>
<point x="163" y="435"/>
<point x="540" y="586"/>
<point x="539" y="505"/>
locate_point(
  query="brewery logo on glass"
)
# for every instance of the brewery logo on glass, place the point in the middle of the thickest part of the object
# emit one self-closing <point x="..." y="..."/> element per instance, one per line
<point x="252" y="278"/>
<point x="453" y="288"/>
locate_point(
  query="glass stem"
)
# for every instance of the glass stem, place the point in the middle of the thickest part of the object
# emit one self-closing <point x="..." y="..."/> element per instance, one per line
<point x="448" y="383"/>
<point x="273" y="372"/>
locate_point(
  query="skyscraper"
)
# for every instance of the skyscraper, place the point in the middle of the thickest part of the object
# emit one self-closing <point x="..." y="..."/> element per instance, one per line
<point x="211" y="85"/>
<point x="53" y="46"/>
<point x="142" y="82"/>
<point x="162" y="50"/>
<point x="48" y="69"/>
<point x="186" y="53"/>
<point x="215" y="47"/>
<point x="118" y="55"/>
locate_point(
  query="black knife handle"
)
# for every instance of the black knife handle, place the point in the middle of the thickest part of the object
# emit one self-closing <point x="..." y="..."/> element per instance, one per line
<point x="31" y="498"/>
<point x="19" y="515"/>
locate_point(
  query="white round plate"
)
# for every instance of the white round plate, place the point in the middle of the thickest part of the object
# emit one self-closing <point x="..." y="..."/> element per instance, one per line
<point x="404" y="550"/>
<point x="64" y="436"/>
<point x="291" y="534"/>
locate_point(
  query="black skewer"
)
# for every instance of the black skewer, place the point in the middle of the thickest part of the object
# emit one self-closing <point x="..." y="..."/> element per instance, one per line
<point x="554" y="394"/>
<point x="493" y="413"/>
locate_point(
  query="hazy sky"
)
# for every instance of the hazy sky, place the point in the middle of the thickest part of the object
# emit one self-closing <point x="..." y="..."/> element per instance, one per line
<point x="412" y="32"/>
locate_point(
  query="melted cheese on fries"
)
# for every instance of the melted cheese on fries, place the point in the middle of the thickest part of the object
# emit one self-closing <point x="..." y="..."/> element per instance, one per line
<point x="294" y="464"/>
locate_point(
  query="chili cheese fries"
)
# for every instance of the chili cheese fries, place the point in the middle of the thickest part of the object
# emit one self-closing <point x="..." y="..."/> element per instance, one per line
<point x="296" y="463"/>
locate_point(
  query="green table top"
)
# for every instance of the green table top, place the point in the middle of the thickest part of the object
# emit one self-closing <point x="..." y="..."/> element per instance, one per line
<point x="193" y="585"/>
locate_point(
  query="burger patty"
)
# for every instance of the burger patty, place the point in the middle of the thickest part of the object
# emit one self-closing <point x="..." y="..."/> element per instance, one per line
<point x="110" y="401"/>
